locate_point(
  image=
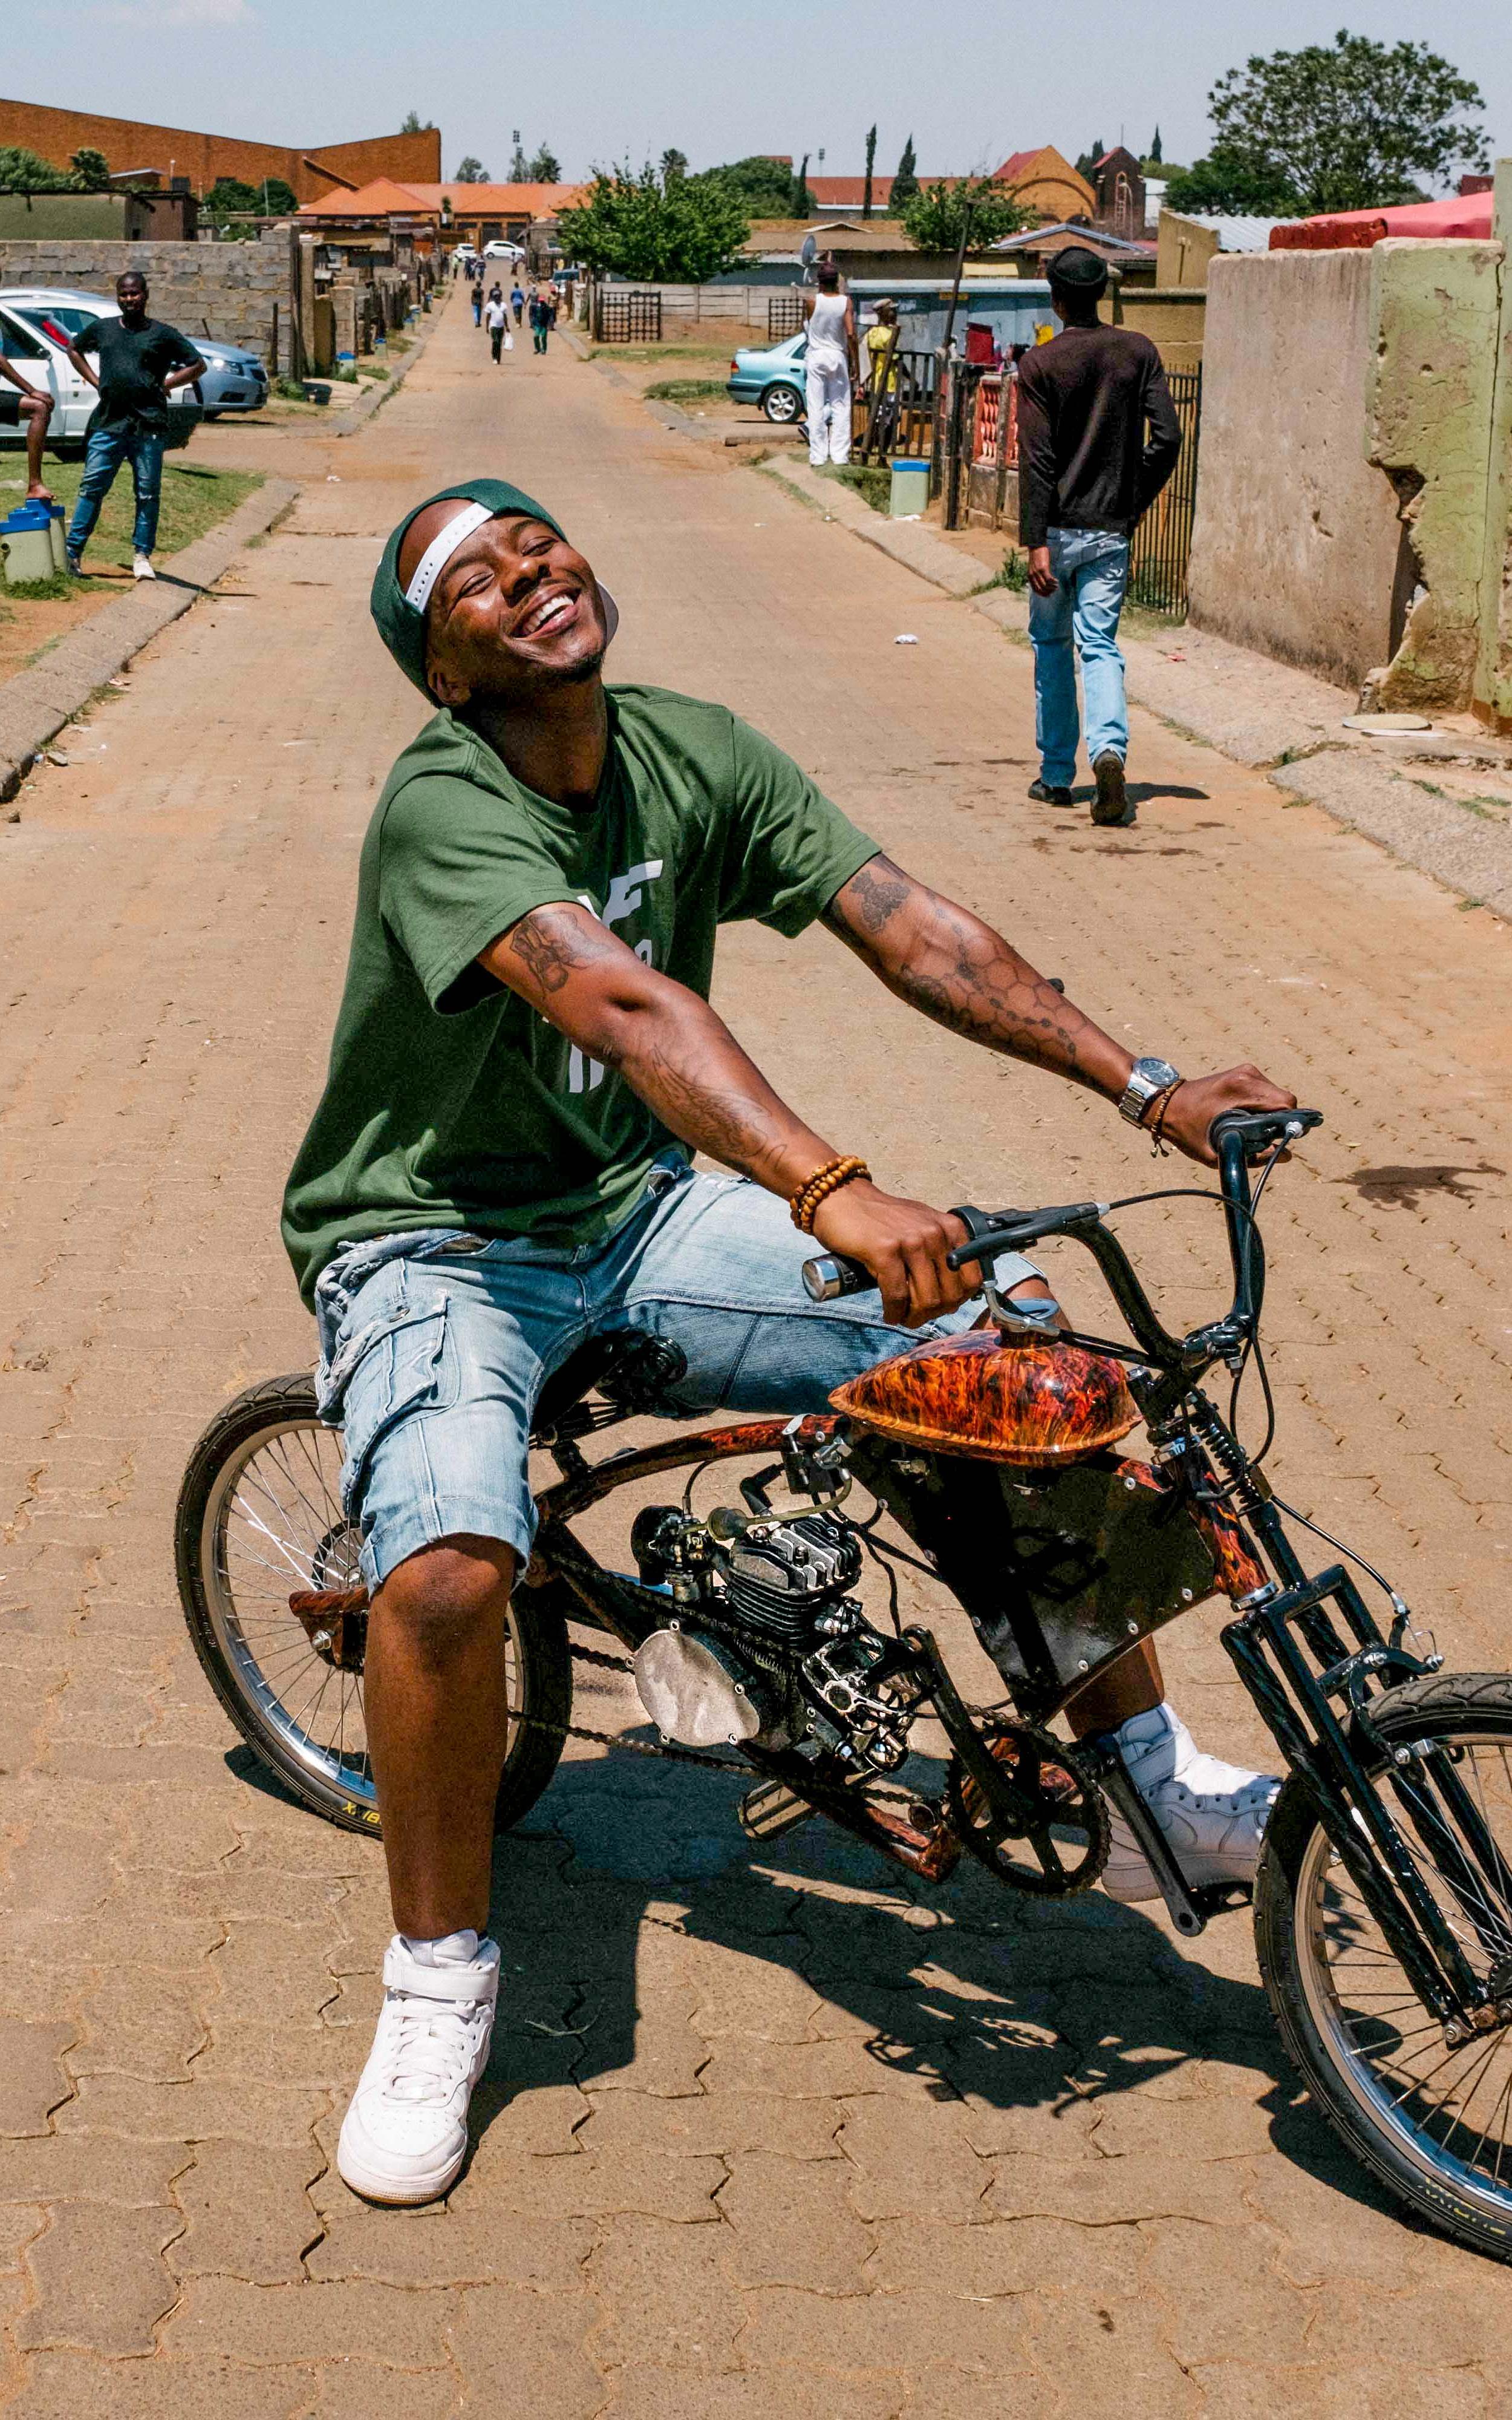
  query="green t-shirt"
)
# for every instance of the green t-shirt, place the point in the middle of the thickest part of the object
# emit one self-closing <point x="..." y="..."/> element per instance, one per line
<point x="449" y="1102"/>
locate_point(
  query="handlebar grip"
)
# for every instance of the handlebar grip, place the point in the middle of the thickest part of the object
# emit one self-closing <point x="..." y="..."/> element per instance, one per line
<point x="829" y="1276"/>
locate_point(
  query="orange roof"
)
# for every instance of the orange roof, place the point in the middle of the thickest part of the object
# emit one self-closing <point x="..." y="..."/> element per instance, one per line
<point x="381" y="200"/>
<point x="501" y="201"/>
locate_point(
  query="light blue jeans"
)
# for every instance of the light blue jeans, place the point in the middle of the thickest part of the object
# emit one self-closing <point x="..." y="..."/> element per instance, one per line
<point x="434" y="1346"/>
<point x="108" y="448"/>
<point x="1091" y="568"/>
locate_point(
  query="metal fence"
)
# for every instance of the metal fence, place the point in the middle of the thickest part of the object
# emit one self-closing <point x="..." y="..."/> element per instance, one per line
<point x="784" y="315"/>
<point x="623" y="316"/>
<point x="899" y="420"/>
<point x="1162" y="542"/>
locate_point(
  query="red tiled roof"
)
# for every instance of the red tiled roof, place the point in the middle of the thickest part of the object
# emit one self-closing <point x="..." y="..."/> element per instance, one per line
<point x="382" y="198"/>
<point x="503" y="201"/>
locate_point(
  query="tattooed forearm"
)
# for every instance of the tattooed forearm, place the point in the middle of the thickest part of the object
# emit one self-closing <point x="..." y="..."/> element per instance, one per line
<point x="947" y="962"/>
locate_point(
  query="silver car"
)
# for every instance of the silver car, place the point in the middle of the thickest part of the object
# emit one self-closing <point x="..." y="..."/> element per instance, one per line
<point x="235" y="379"/>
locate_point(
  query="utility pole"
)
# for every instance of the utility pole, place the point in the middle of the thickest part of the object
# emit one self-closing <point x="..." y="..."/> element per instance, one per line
<point x="871" y="156"/>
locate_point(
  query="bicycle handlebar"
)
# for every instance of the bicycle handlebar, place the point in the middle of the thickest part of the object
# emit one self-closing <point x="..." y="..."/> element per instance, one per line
<point x="1240" y="1137"/>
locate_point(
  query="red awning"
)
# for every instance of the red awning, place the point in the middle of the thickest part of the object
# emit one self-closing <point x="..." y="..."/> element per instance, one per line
<point x="1461" y="214"/>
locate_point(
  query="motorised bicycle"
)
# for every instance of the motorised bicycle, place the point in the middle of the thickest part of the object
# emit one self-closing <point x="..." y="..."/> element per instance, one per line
<point x="992" y="1461"/>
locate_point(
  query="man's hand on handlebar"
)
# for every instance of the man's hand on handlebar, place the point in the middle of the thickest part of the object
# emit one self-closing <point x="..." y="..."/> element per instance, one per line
<point x="1195" y="1105"/>
<point x="903" y="1243"/>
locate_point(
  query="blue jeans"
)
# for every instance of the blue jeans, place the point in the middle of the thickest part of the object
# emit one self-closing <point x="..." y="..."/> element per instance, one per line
<point x="434" y="1346"/>
<point x="1091" y="568"/>
<point x="107" y="450"/>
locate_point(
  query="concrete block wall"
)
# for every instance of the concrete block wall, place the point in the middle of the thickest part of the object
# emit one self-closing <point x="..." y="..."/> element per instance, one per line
<point x="219" y="289"/>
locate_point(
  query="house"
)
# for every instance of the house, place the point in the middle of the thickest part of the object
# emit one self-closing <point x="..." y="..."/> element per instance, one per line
<point x="1118" y="182"/>
<point x="1185" y="244"/>
<point x="1043" y="179"/>
<point x="55" y="134"/>
<point x="524" y="214"/>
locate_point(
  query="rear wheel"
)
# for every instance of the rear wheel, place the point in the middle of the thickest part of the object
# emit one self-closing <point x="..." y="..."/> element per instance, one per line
<point x="1433" y="2121"/>
<point x="782" y="405"/>
<point x="260" y="1517"/>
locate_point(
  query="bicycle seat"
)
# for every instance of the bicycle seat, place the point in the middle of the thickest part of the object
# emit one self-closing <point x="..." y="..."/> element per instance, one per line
<point x="632" y="1372"/>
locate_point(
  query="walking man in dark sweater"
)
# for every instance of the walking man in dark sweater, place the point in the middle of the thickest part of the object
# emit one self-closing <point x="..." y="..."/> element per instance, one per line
<point x="1086" y="474"/>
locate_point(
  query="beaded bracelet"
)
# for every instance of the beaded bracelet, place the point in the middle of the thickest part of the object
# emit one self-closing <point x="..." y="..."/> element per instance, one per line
<point x="804" y="1203"/>
<point x="1156" y="1128"/>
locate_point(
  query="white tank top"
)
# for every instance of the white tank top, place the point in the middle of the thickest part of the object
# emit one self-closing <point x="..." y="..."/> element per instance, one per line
<point x="826" y="332"/>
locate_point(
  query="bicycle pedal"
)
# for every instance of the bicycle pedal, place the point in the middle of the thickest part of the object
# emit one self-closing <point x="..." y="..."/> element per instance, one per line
<point x="770" y="1809"/>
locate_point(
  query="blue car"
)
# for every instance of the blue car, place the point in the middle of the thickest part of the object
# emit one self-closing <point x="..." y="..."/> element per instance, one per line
<point x="774" y="378"/>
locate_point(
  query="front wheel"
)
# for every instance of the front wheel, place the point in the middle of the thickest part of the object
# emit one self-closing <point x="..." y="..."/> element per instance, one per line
<point x="1433" y="2122"/>
<point x="260" y="1518"/>
<point x="782" y="405"/>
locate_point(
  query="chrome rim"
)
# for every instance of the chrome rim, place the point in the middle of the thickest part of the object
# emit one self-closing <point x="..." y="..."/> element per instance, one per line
<point x="1448" y="2111"/>
<point x="274" y="1525"/>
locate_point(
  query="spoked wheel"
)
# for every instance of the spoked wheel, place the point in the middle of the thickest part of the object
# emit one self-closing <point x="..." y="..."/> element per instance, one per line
<point x="260" y="1519"/>
<point x="1431" y="2118"/>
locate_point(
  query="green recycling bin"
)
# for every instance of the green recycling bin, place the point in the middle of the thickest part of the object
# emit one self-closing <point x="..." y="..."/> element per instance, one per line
<point x="910" y="490"/>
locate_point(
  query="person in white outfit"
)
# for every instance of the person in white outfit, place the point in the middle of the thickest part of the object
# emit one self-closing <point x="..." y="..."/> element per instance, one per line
<point x="831" y="318"/>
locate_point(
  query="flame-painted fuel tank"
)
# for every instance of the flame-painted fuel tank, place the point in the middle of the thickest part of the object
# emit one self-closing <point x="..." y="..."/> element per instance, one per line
<point x="1037" y="1405"/>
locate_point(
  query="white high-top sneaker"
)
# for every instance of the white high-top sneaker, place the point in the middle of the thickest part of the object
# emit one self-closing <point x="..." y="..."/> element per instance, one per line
<point x="405" y="2134"/>
<point x="1213" y="1814"/>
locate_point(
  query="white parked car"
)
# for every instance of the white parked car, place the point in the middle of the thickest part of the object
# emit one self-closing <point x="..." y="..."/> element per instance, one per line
<point x="37" y="323"/>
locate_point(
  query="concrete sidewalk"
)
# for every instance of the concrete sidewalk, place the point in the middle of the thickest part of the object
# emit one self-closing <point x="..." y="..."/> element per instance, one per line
<point x="766" y="2133"/>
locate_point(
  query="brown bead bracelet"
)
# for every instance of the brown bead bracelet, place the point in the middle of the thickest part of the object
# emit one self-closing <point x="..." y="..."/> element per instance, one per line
<point x="1157" y="1124"/>
<point x="804" y="1203"/>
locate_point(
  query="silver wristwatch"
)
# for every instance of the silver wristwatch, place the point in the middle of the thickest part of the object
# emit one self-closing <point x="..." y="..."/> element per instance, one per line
<point x="1147" y="1079"/>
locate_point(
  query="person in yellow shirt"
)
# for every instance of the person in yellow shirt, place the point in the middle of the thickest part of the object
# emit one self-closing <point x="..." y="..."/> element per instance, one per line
<point x="881" y="371"/>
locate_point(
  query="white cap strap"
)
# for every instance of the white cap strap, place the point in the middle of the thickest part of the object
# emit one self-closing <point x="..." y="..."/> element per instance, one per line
<point x="440" y="550"/>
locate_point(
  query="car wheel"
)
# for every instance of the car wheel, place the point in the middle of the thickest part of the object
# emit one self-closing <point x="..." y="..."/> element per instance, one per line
<point x="781" y="404"/>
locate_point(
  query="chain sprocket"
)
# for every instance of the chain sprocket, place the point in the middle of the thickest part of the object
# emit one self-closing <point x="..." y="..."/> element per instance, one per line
<point x="1064" y="1822"/>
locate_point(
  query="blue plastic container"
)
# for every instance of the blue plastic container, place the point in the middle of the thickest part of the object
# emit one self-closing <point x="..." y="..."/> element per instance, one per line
<point x="909" y="492"/>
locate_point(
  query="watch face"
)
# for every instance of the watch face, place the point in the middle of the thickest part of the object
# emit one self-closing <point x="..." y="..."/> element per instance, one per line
<point x="1158" y="1072"/>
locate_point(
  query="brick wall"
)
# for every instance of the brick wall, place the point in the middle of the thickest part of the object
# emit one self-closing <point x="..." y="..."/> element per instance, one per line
<point x="224" y="289"/>
<point x="55" y="134"/>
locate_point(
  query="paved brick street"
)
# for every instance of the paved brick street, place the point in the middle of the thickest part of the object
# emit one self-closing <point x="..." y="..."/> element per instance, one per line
<point x="765" y="2134"/>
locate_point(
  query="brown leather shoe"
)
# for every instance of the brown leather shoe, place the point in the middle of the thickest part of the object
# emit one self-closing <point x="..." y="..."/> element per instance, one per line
<point x="1048" y="793"/>
<point x="1111" y="805"/>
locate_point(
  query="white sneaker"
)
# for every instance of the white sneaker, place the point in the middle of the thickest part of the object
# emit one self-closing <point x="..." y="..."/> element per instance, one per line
<point x="404" y="2136"/>
<point x="142" y="567"/>
<point x="1213" y="1814"/>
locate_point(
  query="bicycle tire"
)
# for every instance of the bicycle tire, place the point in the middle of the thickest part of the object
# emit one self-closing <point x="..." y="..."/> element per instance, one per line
<point x="279" y="1408"/>
<point x="1466" y="1711"/>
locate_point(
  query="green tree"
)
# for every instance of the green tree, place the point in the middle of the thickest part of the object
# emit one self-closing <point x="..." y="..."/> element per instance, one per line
<point x="905" y="182"/>
<point x="1228" y="184"/>
<point x="545" y="168"/>
<point x="932" y="221"/>
<point x="519" y="168"/>
<point x="870" y="164"/>
<point x="802" y="204"/>
<point x="472" y="171"/>
<point x="674" y="164"/>
<point x="1088" y="160"/>
<point x="1154" y="158"/>
<point x="1347" y="126"/>
<point x="91" y="170"/>
<point x="228" y="198"/>
<point x="27" y="171"/>
<point x="765" y="186"/>
<point x="680" y="229"/>
<point x="415" y="124"/>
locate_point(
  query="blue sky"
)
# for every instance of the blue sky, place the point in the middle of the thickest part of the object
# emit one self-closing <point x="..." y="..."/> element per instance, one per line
<point x="601" y="82"/>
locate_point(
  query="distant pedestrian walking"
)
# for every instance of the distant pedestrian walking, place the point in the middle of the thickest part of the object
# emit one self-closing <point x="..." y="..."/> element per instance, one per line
<point x="141" y="363"/>
<point x="831" y="319"/>
<point x="1086" y="474"/>
<point x="542" y="316"/>
<point x="477" y="301"/>
<point x="495" y="318"/>
<point x="516" y="302"/>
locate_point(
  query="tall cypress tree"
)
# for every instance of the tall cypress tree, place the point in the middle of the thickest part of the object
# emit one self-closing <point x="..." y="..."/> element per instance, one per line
<point x="871" y="162"/>
<point x="1155" y="154"/>
<point x="905" y="183"/>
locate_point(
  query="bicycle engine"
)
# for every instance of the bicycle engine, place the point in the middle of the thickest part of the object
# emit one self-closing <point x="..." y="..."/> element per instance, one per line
<point x="766" y="1640"/>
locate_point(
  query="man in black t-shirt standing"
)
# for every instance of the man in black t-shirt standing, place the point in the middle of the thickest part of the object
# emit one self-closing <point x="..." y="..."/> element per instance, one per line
<point x="141" y="363"/>
<point x="1086" y="474"/>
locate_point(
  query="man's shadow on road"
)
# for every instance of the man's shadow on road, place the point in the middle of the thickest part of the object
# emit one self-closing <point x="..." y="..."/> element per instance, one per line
<point x="975" y="1990"/>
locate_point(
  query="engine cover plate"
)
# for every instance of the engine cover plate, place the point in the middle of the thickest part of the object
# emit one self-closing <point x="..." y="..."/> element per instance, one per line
<point x="693" y="1691"/>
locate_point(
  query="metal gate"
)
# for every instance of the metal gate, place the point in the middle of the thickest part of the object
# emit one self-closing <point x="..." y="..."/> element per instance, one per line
<point x="1162" y="542"/>
<point x="784" y="315"/>
<point x="622" y="316"/>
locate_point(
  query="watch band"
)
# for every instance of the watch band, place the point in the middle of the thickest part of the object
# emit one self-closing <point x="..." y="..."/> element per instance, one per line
<point x="1148" y="1077"/>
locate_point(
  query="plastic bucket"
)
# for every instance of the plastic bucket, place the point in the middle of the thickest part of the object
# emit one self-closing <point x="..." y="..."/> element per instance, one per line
<point x="909" y="493"/>
<point x="58" y="532"/>
<point x="27" y="550"/>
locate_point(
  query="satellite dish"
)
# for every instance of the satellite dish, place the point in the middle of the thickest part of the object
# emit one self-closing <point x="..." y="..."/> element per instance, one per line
<point x="809" y="252"/>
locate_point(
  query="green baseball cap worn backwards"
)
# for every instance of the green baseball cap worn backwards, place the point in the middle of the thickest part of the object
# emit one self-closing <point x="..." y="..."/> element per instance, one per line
<point x="402" y="626"/>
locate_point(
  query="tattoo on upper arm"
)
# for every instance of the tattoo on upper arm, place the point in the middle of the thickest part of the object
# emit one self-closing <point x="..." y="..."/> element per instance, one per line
<point x="555" y="941"/>
<point x="871" y="897"/>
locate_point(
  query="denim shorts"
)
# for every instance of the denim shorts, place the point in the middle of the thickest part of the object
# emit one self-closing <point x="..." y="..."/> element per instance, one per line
<point x="434" y="1346"/>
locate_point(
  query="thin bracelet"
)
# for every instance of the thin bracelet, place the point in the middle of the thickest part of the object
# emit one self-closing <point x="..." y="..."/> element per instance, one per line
<point x="805" y="1201"/>
<point x="1158" y="1144"/>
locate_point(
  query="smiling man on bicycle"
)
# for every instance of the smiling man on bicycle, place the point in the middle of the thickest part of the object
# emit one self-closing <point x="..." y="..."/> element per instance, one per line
<point x="524" y="1061"/>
